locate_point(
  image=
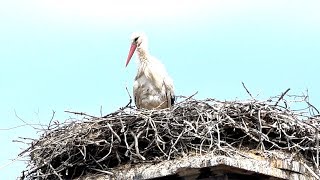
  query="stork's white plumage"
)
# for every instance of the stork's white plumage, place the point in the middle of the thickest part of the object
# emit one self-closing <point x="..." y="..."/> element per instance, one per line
<point x="153" y="87"/>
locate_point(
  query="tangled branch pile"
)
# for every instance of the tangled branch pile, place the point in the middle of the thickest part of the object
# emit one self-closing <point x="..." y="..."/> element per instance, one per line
<point x="97" y="144"/>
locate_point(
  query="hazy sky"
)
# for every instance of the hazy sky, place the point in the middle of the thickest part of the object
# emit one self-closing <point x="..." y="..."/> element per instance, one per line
<point x="70" y="55"/>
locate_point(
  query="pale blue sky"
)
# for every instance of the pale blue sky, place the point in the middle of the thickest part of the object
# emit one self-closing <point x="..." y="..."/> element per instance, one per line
<point x="70" y="55"/>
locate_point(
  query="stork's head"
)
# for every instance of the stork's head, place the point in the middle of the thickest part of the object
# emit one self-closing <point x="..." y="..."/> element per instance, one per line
<point x="137" y="40"/>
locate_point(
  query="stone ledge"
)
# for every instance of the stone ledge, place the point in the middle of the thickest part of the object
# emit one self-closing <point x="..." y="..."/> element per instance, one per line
<point x="190" y="167"/>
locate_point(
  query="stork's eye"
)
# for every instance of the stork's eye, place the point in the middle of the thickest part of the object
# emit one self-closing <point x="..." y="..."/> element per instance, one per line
<point x="136" y="39"/>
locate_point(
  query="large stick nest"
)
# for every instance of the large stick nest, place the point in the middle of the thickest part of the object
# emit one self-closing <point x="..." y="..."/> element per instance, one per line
<point x="98" y="144"/>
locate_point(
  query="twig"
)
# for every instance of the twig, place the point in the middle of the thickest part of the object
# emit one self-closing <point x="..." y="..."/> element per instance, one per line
<point x="218" y="131"/>
<point x="314" y="108"/>
<point x="103" y="171"/>
<point x="247" y="90"/>
<point x="260" y="131"/>
<point x="80" y="113"/>
<point x="175" y="142"/>
<point x="309" y="104"/>
<point x="101" y="111"/>
<point x="24" y="121"/>
<point x="53" y="113"/>
<point x="136" y="145"/>
<point x="317" y="145"/>
<point x="130" y="100"/>
<point x="9" y="163"/>
<point x="281" y="97"/>
<point x="110" y="150"/>
<point x="114" y="133"/>
<point x="55" y="172"/>
<point x="188" y="98"/>
<point x="23" y="125"/>
<point x="311" y="171"/>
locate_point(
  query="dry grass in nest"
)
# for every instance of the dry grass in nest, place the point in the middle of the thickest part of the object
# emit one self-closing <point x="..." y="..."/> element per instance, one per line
<point x="97" y="144"/>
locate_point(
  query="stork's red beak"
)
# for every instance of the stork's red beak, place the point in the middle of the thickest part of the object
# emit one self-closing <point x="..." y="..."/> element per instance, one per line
<point x="132" y="49"/>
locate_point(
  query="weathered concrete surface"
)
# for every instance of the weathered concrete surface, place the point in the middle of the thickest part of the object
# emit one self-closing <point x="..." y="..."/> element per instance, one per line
<point x="189" y="167"/>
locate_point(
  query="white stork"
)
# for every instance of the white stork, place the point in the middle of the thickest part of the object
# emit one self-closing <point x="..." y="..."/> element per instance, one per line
<point x="153" y="88"/>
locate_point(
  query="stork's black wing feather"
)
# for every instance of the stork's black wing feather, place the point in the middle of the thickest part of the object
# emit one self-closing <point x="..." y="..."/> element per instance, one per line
<point x="173" y="99"/>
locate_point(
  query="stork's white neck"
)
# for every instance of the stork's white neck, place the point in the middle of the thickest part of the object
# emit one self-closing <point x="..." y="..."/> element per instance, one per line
<point x="143" y="53"/>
